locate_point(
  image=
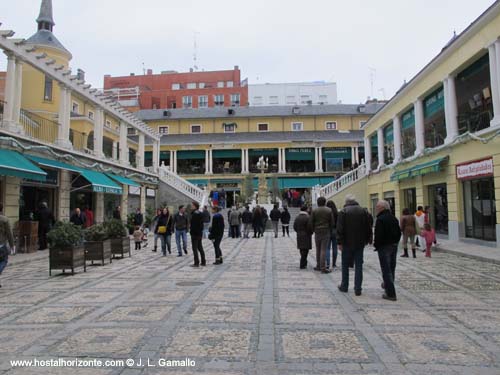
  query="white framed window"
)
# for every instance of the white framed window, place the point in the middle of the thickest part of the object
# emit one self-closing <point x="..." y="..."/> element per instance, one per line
<point x="291" y="100"/>
<point x="229" y="128"/>
<point x="362" y="123"/>
<point x="220" y="84"/>
<point x="187" y="101"/>
<point x="176" y="86"/>
<point x="297" y="126"/>
<point x="219" y="100"/>
<point x="273" y="100"/>
<point x="201" y="85"/>
<point x="323" y="99"/>
<point x="108" y="123"/>
<point x="75" y="107"/>
<point x="331" y="125"/>
<point x="262" y="127"/>
<point x="202" y="101"/>
<point x="257" y="100"/>
<point x="195" y="129"/>
<point x="235" y="99"/>
<point x="91" y="115"/>
<point x="163" y="129"/>
<point x="131" y="131"/>
<point x="191" y="85"/>
<point x="229" y="84"/>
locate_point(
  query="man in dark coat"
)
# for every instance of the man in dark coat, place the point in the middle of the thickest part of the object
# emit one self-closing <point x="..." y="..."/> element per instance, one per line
<point x="387" y="236"/>
<point x="353" y="234"/>
<point x="302" y="226"/>
<point x="285" y="221"/>
<point x="246" y="218"/>
<point x="45" y="222"/>
<point x="78" y="217"/>
<point x="216" y="233"/>
<point x="138" y="218"/>
<point x="196" y="231"/>
<point x="275" y="216"/>
<point x="322" y="224"/>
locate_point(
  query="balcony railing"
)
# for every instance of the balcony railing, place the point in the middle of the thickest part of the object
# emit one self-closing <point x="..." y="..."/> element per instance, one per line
<point x="340" y="184"/>
<point x="38" y="127"/>
<point x="79" y="140"/>
<point x="474" y="121"/>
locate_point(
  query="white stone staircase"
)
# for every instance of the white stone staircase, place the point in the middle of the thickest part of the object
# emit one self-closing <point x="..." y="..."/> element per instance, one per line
<point x="340" y="184"/>
<point x="183" y="186"/>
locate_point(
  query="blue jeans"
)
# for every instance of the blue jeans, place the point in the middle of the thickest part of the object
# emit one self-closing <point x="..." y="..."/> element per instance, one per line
<point x="165" y="240"/>
<point x="349" y="255"/>
<point x="332" y="245"/>
<point x="387" y="256"/>
<point x="178" y="235"/>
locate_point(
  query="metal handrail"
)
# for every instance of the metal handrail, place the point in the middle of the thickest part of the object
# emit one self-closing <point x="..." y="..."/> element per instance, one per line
<point x="183" y="186"/>
<point x="38" y="127"/>
<point x="343" y="182"/>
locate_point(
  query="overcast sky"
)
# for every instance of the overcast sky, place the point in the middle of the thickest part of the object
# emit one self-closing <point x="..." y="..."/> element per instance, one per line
<point x="349" y="42"/>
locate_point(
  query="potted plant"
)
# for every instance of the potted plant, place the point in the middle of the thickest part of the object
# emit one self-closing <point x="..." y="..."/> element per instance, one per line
<point x="66" y="250"/>
<point x="97" y="245"/>
<point x="119" y="238"/>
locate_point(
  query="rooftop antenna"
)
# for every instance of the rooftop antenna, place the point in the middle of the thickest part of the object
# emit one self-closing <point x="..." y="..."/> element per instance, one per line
<point x="195" y="52"/>
<point x="373" y="74"/>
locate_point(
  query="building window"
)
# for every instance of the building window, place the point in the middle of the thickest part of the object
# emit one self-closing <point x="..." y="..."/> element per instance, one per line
<point x="176" y="86"/>
<point x="297" y="126"/>
<point x="219" y="100"/>
<point x="257" y="100"/>
<point x="195" y="129"/>
<point x="220" y="84"/>
<point x="291" y="100"/>
<point x="361" y="124"/>
<point x="273" y="100"/>
<point x="91" y="115"/>
<point x="163" y="129"/>
<point x="305" y="99"/>
<point x="202" y="101"/>
<point x="229" y="128"/>
<point x="47" y="91"/>
<point x="75" y="108"/>
<point x="131" y="131"/>
<point x="263" y="127"/>
<point x="323" y="99"/>
<point x="108" y="123"/>
<point x="331" y="125"/>
<point x="229" y="84"/>
<point x="187" y="101"/>
<point x="191" y="85"/>
<point x="235" y="99"/>
<point x="201" y="85"/>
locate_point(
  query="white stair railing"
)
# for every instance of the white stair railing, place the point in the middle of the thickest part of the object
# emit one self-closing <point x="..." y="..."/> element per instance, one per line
<point x="183" y="186"/>
<point x="340" y="184"/>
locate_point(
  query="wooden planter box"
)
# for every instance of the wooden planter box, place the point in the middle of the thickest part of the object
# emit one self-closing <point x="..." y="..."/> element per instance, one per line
<point x="120" y="246"/>
<point x="98" y="250"/>
<point x="67" y="258"/>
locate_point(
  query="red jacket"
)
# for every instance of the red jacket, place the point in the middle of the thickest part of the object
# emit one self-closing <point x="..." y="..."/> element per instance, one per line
<point x="89" y="215"/>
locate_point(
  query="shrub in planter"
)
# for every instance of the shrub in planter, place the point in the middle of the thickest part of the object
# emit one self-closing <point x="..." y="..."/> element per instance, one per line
<point x="120" y="241"/>
<point x="95" y="233"/>
<point x="97" y="245"/>
<point x="65" y="247"/>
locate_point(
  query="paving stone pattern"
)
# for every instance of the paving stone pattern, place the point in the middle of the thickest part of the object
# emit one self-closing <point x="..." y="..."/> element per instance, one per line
<point x="256" y="314"/>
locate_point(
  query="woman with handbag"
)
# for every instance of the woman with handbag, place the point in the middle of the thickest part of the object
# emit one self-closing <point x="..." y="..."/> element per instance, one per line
<point x="6" y="240"/>
<point x="409" y="227"/>
<point x="164" y="228"/>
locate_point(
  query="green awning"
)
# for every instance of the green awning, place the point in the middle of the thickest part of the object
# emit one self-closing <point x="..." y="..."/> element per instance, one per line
<point x="226" y="154"/>
<point x="419" y="169"/>
<point x="227" y="181"/>
<point x="100" y="182"/>
<point x="299" y="182"/>
<point x="14" y="164"/>
<point x="300" y="154"/>
<point x="148" y="155"/>
<point x="190" y="154"/>
<point x="263" y="152"/>
<point x="123" y="180"/>
<point x="198" y="182"/>
<point x="53" y="163"/>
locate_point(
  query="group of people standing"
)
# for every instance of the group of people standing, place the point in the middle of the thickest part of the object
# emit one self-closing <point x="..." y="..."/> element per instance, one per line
<point x="417" y="230"/>
<point x="294" y="198"/>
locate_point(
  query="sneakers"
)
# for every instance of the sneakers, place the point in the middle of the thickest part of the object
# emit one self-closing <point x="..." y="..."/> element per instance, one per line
<point x="385" y="296"/>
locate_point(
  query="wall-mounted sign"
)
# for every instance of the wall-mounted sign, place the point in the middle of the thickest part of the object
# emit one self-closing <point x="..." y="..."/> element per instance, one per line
<point x="134" y="190"/>
<point x="150" y="193"/>
<point x="478" y="168"/>
<point x="50" y="179"/>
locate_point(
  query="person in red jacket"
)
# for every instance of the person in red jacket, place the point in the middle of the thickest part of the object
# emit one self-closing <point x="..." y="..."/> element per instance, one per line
<point x="89" y="217"/>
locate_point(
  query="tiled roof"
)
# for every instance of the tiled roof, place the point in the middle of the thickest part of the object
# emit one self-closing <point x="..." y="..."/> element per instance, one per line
<point x="46" y="38"/>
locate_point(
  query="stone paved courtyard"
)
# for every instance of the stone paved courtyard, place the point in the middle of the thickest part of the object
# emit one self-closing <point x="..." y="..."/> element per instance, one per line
<point x="255" y="314"/>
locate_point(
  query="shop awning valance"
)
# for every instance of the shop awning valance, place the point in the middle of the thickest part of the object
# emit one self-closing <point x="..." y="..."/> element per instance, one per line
<point x="419" y="169"/>
<point x="191" y="154"/>
<point x="14" y="164"/>
<point x="337" y="153"/>
<point x="263" y="152"/>
<point x="100" y="182"/>
<point x="53" y="163"/>
<point x="226" y="154"/>
<point x="123" y="180"/>
<point x="299" y="154"/>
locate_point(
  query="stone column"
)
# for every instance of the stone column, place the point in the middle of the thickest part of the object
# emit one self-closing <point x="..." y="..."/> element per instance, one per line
<point x="396" y="124"/>
<point x="283" y="158"/>
<point x="143" y="200"/>
<point x="419" y="126"/>
<point x="368" y="154"/>
<point x="207" y="161"/>
<point x="450" y="103"/>
<point x="115" y="151"/>
<point x="380" y="146"/>
<point x="320" y="159"/>
<point x="211" y="160"/>
<point x="353" y="155"/>
<point x="99" y="208"/>
<point x="10" y="92"/>
<point x="64" y="119"/>
<point x="173" y="167"/>
<point x="494" y="54"/>
<point x="244" y="160"/>
<point x="98" y="132"/>
<point x="280" y="160"/>
<point x="156" y="154"/>
<point x="12" y="194"/>
<point x="139" y="158"/>
<point x="16" y="111"/>
<point x="124" y="202"/>
<point x="63" y="199"/>
<point x="124" y="145"/>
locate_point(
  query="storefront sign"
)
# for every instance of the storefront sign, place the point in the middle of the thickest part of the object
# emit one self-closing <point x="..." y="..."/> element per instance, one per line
<point x="305" y="150"/>
<point x="479" y="168"/>
<point x="227" y="185"/>
<point x="134" y="190"/>
<point x="51" y="178"/>
<point x="150" y="192"/>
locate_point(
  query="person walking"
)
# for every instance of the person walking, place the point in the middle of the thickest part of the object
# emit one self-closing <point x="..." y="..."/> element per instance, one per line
<point x="45" y="222"/>
<point x="322" y="224"/>
<point x="6" y="240"/>
<point x="354" y="232"/>
<point x="387" y="236"/>
<point x="196" y="231"/>
<point x="206" y="221"/>
<point x="408" y="225"/>
<point x="246" y="218"/>
<point x="138" y="234"/>
<point x="430" y="238"/>
<point x="157" y="236"/>
<point x="216" y="233"/>
<point x="302" y="226"/>
<point x="234" y="222"/>
<point x="420" y="219"/>
<point x="78" y="217"/>
<point x="332" y="245"/>
<point x="163" y="230"/>
<point x="181" y="225"/>
<point x="275" y="217"/>
<point x="265" y="218"/>
<point x="257" y="222"/>
<point x="89" y="217"/>
<point x="285" y="221"/>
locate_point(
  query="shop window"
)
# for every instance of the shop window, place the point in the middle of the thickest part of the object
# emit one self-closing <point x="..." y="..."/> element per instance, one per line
<point x="408" y="142"/>
<point x="434" y="119"/>
<point x="410" y="199"/>
<point x="480" y="210"/>
<point x="389" y="197"/>
<point x="388" y="144"/>
<point x="438" y="212"/>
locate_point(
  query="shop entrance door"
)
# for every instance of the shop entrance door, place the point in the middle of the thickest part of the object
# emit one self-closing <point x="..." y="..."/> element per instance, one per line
<point x="480" y="210"/>
<point x="438" y="201"/>
<point x="410" y="199"/>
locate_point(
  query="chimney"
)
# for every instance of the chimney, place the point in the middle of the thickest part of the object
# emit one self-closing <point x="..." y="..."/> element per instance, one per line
<point x="80" y="74"/>
<point x="150" y="72"/>
<point x="236" y="67"/>
<point x="190" y="70"/>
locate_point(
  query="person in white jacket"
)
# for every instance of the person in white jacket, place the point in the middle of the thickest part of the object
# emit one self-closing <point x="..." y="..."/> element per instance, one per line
<point x="420" y="219"/>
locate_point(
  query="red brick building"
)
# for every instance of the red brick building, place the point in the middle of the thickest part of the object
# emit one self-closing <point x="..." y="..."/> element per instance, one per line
<point x="171" y="89"/>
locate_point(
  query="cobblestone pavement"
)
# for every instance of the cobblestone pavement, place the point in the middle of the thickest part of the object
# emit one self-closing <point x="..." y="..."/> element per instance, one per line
<point x="256" y="314"/>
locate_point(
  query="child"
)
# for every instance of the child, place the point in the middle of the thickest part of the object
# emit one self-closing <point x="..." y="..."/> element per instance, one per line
<point x="430" y="238"/>
<point x="145" y="237"/>
<point x="138" y="237"/>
